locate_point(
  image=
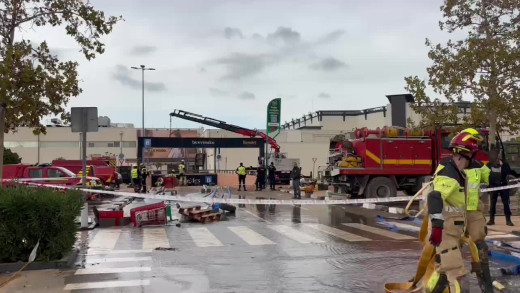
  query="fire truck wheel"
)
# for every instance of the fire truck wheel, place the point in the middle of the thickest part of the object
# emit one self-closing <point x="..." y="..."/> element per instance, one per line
<point x="380" y="187"/>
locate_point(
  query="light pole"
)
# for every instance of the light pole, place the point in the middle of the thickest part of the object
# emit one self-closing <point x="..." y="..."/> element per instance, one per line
<point x="142" y="68"/>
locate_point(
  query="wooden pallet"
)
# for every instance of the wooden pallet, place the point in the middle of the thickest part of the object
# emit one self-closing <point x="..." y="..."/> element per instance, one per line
<point x="200" y="215"/>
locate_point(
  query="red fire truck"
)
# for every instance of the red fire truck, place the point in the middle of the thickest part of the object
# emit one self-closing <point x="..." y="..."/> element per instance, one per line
<point x="379" y="162"/>
<point x="97" y="168"/>
<point x="44" y="174"/>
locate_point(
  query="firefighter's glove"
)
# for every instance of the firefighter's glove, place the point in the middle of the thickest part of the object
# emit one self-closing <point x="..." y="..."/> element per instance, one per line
<point x="436" y="236"/>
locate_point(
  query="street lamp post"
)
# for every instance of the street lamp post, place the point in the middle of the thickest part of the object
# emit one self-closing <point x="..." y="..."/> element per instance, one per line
<point x="142" y="68"/>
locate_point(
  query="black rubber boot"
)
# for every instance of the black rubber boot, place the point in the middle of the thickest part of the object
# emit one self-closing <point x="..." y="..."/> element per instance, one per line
<point x="508" y="221"/>
<point x="491" y="220"/>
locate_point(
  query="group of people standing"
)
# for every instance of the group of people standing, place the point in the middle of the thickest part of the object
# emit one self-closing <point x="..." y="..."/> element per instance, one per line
<point x="139" y="176"/>
<point x="261" y="174"/>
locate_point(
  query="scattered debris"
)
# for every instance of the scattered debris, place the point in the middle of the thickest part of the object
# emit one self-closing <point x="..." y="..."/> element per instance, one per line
<point x="165" y="248"/>
<point x="201" y="215"/>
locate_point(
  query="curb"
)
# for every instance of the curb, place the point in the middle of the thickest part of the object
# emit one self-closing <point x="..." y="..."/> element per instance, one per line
<point x="64" y="263"/>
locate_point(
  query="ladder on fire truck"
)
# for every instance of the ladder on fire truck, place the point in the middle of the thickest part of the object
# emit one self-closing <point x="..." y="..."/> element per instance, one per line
<point x="223" y="125"/>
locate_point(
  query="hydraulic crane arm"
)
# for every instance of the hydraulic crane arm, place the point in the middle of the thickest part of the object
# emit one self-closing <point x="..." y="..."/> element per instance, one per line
<point x="223" y="125"/>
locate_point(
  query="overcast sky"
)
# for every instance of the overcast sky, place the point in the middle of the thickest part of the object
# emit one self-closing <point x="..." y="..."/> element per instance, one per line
<point x="227" y="58"/>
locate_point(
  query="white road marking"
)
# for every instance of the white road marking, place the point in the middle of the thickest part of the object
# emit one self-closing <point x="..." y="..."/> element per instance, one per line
<point x="295" y="234"/>
<point x="250" y="236"/>
<point x="155" y="237"/>
<point x="101" y="252"/>
<point x="109" y="284"/>
<point x="503" y="235"/>
<point x="117" y="259"/>
<point x="337" y="232"/>
<point x="406" y="226"/>
<point x="112" y="270"/>
<point x="203" y="237"/>
<point x="105" y="239"/>
<point x="382" y="232"/>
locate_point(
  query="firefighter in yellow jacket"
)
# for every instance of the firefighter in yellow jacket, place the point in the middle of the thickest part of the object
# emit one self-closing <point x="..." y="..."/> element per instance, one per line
<point x="456" y="211"/>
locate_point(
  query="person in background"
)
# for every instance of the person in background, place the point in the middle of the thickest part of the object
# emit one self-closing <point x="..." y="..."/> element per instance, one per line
<point x="272" y="177"/>
<point x="504" y="170"/>
<point x="144" y="176"/>
<point x="119" y="180"/>
<point x="260" y="177"/>
<point x="182" y="173"/>
<point x="295" y="176"/>
<point x="242" y="172"/>
<point x="159" y="186"/>
<point x="136" y="178"/>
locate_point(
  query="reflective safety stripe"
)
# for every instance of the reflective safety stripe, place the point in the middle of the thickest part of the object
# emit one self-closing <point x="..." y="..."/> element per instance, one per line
<point x="134" y="173"/>
<point x="437" y="216"/>
<point x="432" y="282"/>
<point x="451" y="209"/>
<point x="474" y="185"/>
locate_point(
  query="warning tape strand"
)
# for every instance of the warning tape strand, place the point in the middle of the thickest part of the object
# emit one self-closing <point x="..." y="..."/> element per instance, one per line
<point x="198" y="197"/>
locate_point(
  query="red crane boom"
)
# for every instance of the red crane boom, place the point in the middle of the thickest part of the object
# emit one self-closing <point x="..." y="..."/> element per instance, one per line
<point x="223" y="125"/>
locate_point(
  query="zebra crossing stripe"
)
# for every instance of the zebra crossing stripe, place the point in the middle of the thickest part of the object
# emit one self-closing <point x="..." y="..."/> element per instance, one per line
<point x="499" y="236"/>
<point x="337" y="233"/>
<point x="92" y="271"/>
<point x="105" y="252"/>
<point x="203" y="237"/>
<point x="105" y="239"/>
<point x="155" y="237"/>
<point x="250" y="236"/>
<point x="116" y="259"/>
<point x="382" y="232"/>
<point x="109" y="284"/>
<point x="295" y="234"/>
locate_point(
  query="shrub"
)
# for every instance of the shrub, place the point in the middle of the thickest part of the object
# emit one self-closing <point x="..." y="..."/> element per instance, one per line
<point x="29" y="214"/>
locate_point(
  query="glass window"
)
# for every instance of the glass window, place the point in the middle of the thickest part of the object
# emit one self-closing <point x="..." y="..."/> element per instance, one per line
<point x="445" y="140"/>
<point x="117" y="144"/>
<point x="55" y="173"/>
<point x="59" y="144"/>
<point x="91" y="144"/>
<point x="129" y="144"/>
<point x="20" y="144"/>
<point x="36" y="173"/>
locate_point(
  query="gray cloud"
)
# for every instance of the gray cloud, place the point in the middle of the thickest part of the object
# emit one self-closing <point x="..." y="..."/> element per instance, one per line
<point x="246" y="96"/>
<point x="142" y="50"/>
<point x="331" y="37"/>
<point x="123" y="75"/>
<point x="324" y="96"/>
<point x="285" y="35"/>
<point x="291" y="47"/>
<point x="328" y="64"/>
<point x="217" y="93"/>
<point x="257" y="36"/>
<point x="240" y="65"/>
<point x="230" y="32"/>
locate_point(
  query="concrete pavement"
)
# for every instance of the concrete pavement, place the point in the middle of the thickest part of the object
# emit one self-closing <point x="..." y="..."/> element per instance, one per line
<point x="260" y="249"/>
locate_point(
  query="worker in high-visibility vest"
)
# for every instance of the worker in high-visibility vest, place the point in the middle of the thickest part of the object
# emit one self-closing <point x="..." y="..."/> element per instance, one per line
<point x="135" y="177"/>
<point x="182" y="173"/>
<point x="455" y="211"/>
<point x="242" y="172"/>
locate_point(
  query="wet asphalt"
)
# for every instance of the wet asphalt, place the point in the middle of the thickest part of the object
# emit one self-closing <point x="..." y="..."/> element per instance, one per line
<point x="258" y="249"/>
